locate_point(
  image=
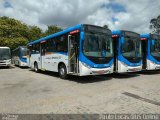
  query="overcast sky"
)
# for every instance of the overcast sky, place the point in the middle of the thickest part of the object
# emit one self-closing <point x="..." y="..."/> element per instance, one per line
<point x="132" y="15"/>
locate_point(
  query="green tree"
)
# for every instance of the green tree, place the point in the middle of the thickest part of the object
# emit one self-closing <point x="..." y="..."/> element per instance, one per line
<point x="155" y="25"/>
<point x="10" y="27"/>
<point x="14" y="33"/>
<point x="52" y="29"/>
<point x="105" y="26"/>
<point x="34" y="33"/>
<point x="13" y="42"/>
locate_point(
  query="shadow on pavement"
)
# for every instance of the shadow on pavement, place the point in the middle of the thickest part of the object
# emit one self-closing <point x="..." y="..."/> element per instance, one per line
<point x="149" y="72"/>
<point x="89" y="79"/>
<point x="7" y="67"/>
<point x="78" y="79"/>
<point x="93" y="79"/>
<point x="123" y="75"/>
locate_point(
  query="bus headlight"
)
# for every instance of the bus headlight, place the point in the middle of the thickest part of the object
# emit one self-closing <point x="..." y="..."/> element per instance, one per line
<point x="8" y="61"/>
<point x="86" y="65"/>
<point x="152" y="62"/>
<point x="124" y="64"/>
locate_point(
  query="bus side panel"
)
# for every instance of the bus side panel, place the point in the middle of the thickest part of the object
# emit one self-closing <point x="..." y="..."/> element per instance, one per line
<point x="51" y="61"/>
<point x="35" y="58"/>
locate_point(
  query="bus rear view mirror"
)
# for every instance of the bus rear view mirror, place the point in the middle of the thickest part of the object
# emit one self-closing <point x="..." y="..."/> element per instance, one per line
<point x="122" y="40"/>
<point x="82" y="35"/>
<point x="153" y="42"/>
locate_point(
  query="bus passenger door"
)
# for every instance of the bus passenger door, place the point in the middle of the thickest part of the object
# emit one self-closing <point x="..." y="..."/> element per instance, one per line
<point x="42" y="55"/>
<point x="144" y="53"/>
<point x="115" y="48"/>
<point x="72" y="55"/>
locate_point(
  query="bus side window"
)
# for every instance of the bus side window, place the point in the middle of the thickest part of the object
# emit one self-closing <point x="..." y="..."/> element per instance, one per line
<point x="61" y="43"/>
<point x="33" y="49"/>
<point x="53" y="43"/>
<point x="49" y="46"/>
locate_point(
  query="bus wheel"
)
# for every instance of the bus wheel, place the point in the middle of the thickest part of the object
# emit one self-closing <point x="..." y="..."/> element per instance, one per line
<point x="36" y="67"/>
<point x="62" y="71"/>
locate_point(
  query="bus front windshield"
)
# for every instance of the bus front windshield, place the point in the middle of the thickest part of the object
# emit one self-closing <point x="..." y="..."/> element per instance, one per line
<point x="5" y="54"/>
<point x="155" y="48"/>
<point x="97" y="45"/>
<point x="131" y="48"/>
<point x="24" y="52"/>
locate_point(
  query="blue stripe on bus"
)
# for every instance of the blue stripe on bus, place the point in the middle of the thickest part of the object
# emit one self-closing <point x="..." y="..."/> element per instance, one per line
<point x="116" y="32"/>
<point x="145" y="36"/>
<point x="23" y="60"/>
<point x="123" y="59"/>
<point x="82" y="58"/>
<point x="56" y="34"/>
<point x="151" y="58"/>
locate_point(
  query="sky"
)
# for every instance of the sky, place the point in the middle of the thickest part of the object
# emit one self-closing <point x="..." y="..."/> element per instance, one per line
<point x="134" y="15"/>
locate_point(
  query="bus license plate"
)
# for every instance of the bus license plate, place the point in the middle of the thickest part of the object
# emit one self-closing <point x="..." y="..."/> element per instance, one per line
<point x="101" y="72"/>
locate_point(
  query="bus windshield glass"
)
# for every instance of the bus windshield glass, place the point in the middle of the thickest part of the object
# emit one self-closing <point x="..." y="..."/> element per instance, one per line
<point x="131" y="48"/>
<point x="97" y="45"/>
<point x="24" y="52"/>
<point x="5" y="54"/>
<point x="155" y="48"/>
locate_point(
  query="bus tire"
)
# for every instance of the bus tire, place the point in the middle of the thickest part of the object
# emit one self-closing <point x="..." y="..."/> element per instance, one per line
<point x="36" y="67"/>
<point x="62" y="71"/>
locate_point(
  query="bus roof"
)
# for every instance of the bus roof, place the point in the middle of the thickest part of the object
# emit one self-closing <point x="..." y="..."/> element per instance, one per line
<point x="149" y="36"/>
<point x="146" y="35"/>
<point x="57" y="34"/>
<point x="116" y="32"/>
<point x="5" y="47"/>
<point x="119" y="32"/>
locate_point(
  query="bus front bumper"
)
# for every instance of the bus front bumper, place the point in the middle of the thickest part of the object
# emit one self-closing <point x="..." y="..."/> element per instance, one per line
<point x="5" y="63"/>
<point x="152" y="66"/>
<point x="84" y="70"/>
<point x="23" y="64"/>
<point x="122" y="68"/>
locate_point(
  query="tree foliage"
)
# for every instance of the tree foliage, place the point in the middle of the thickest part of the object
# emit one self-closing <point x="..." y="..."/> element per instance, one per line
<point x="52" y="29"/>
<point x="155" y="25"/>
<point x="34" y="33"/>
<point x="105" y="26"/>
<point x="14" y="33"/>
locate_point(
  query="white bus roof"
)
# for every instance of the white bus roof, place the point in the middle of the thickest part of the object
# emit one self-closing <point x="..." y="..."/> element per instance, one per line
<point x="5" y="47"/>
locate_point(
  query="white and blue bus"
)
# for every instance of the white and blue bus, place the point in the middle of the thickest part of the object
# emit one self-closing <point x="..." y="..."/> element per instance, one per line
<point x="5" y="56"/>
<point x="80" y="50"/>
<point x="19" y="56"/>
<point x="151" y="51"/>
<point x="127" y="51"/>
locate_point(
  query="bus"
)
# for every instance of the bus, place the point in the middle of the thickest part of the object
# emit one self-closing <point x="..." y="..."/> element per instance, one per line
<point x="151" y="51"/>
<point x="19" y="56"/>
<point x="79" y="50"/>
<point x="5" y="56"/>
<point x="127" y="51"/>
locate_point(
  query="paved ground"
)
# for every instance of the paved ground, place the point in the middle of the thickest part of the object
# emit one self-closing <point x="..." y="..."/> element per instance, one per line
<point x="24" y="91"/>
